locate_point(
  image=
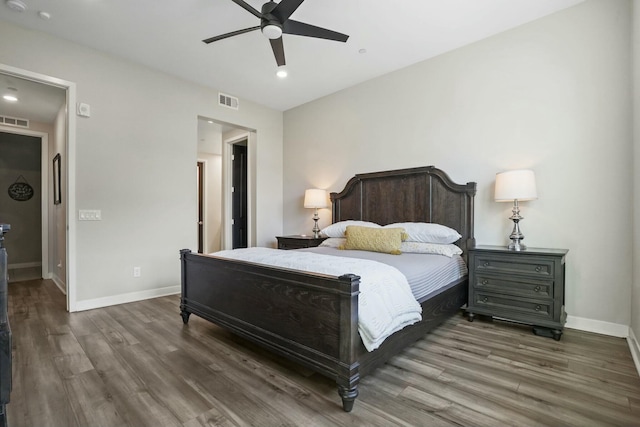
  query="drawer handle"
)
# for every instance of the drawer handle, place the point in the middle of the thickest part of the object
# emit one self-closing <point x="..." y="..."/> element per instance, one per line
<point x="536" y="289"/>
<point x="485" y="299"/>
<point x="486" y="264"/>
<point x="485" y="282"/>
<point x="538" y="308"/>
<point x="538" y="269"/>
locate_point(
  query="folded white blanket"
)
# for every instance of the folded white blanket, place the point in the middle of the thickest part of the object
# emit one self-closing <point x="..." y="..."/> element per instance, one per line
<point x="385" y="303"/>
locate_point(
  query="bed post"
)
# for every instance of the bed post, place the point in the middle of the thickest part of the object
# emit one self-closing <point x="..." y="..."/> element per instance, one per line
<point x="183" y="312"/>
<point x="348" y="372"/>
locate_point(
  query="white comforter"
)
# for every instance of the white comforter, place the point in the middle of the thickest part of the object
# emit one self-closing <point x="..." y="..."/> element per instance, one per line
<point x="385" y="303"/>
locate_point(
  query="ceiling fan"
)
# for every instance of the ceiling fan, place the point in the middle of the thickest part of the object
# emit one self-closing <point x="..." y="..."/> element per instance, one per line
<point x="274" y="21"/>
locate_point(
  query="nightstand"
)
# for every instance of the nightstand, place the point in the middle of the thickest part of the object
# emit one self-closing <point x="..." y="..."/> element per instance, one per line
<point x="525" y="286"/>
<point x="299" y="241"/>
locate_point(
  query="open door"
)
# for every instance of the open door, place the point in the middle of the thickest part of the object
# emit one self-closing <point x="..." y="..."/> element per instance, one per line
<point x="239" y="195"/>
<point x="200" y="179"/>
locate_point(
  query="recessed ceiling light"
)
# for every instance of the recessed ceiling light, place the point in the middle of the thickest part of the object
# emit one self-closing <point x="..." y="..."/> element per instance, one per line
<point x="282" y="72"/>
<point x="44" y="15"/>
<point x="10" y="98"/>
<point x="16" y="5"/>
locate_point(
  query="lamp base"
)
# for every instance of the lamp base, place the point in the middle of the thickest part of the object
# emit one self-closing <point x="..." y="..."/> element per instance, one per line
<point x="516" y="236"/>
<point x="316" y="229"/>
<point x="515" y="245"/>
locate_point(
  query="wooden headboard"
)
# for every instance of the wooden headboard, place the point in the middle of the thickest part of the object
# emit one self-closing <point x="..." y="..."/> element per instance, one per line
<point x="424" y="194"/>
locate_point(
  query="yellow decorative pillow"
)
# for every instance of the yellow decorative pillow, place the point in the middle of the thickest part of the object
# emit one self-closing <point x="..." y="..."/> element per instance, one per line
<point x="386" y="240"/>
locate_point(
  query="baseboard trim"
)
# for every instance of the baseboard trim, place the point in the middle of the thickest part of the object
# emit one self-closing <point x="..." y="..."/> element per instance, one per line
<point x="635" y="349"/>
<point x="125" y="298"/>
<point x="597" y="326"/>
<point x="20" y="265"/>
<point x="59" y="283"/>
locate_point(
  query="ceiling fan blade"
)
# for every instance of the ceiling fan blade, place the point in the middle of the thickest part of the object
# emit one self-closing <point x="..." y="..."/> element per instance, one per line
<point x="278" y="50"/>
<point x="301" y="29"/>
<point x="285" y="8"/>
<point x="231" y="34"/>
<point x="248" y="8"/>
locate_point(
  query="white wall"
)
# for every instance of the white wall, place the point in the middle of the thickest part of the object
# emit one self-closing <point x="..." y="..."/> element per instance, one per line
<point x="552" y="95"/>
<point x="635" y="238"/>
<point x="136" y="156"/>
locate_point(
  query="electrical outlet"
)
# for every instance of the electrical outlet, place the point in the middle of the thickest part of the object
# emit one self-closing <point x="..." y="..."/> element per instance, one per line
<point x="136" y="272"/>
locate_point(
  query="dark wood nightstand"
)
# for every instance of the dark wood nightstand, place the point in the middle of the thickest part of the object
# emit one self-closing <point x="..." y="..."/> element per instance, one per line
<point x="525" y="286"/>
<point x="299" y="241"/>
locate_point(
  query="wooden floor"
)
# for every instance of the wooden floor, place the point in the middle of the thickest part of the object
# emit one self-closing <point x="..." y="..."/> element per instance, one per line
<point x="138" y="365"/>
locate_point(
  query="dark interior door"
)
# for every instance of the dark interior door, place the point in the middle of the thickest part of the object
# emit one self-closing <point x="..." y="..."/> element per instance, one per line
<point x="200" y="207"/>
<point x="239" y="195"/>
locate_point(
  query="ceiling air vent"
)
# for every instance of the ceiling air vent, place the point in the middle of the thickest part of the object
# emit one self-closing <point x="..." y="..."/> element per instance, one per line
<point x="13" y="121"/>
<point x="228" y="101"/>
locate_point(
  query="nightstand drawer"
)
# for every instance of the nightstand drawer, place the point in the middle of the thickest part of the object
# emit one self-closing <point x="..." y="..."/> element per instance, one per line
<point x="534" y="267"/>
<point x="514" y="286"/>
<point x="512" y="307"/>
<point x="299" y="242"/>
<point x="292" y="244"/>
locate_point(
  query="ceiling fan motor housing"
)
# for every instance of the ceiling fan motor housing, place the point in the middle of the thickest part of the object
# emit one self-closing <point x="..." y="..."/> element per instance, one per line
<point x="269" y="24"/>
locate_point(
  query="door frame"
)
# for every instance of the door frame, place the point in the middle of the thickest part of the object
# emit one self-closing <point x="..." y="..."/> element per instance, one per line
<point x="227" y="183"/>
<point x="69" y="168"/>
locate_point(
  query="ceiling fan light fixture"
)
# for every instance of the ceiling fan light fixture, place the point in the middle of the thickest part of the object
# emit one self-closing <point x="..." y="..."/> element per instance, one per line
<point x="272" y="31"/>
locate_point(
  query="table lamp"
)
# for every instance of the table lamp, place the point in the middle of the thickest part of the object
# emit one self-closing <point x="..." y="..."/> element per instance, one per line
<point x="516" y="186"/>
<point x="315" y="198"/>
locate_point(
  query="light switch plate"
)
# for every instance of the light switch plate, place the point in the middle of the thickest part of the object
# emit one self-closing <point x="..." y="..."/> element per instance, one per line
<point x="89" y="215"/>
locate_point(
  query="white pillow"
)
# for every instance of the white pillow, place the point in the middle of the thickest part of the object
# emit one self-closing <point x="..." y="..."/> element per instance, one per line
<point x="427" y="232"/>
<point x="337" y="229"/>
<point x="406" y="247"/>
<point x="429" y="248"/>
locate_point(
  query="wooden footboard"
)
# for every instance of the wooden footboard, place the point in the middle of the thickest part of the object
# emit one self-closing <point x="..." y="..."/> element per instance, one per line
<point x="306" y="317"/>
<point x="309" y="318"/>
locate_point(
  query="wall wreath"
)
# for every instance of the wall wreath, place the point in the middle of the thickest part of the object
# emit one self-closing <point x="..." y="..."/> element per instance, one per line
<point x="20" y="190"/>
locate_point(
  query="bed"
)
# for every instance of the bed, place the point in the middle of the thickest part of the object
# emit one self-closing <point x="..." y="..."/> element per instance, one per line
<point x="312" y="318"/>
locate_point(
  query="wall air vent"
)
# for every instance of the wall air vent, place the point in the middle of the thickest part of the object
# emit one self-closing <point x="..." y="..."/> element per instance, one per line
<point x="228" y="101"/>
<point x="13" y="121"/>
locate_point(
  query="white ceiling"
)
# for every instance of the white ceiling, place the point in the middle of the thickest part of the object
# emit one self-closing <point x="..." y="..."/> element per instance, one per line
<point x="166" y="35"/>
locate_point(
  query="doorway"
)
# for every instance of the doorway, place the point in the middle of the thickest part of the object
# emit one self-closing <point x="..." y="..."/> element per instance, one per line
<point x="24" y="205"/>
<point x="226" y="227"/>
<point x="61" y="230"/>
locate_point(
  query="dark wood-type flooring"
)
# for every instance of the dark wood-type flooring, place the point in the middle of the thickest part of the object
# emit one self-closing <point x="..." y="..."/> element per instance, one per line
<point x="137" y="365"/>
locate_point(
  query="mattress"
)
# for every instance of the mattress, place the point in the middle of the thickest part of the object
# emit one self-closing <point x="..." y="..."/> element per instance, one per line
<point x="426" y="273"/>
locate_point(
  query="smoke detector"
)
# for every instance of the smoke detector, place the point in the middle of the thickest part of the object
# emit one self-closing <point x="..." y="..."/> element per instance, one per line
<point x="16" y="5"/>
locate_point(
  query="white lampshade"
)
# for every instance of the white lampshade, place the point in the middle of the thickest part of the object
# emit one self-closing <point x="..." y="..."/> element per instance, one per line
<point x="315" y="198"/>
<point x="515" y="185"/>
